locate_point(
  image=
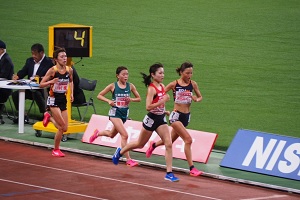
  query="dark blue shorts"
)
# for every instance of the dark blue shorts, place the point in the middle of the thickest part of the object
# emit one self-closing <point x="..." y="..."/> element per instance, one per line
<point x="122" y="113"/>
<point x="184" y="118"/>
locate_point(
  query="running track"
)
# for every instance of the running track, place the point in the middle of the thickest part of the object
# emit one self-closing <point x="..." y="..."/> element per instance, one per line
<point x="30" y="172"/>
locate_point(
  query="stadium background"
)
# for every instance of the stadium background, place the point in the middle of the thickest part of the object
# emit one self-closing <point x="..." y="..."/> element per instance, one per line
<point x="245" y="53"/>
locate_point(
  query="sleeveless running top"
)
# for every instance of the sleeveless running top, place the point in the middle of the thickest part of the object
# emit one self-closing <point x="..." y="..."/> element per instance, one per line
<point x="120" y="94"/>
<point x="159" y="95"/>
<point x="183" y="94"/>
<point x="60" y="88"/>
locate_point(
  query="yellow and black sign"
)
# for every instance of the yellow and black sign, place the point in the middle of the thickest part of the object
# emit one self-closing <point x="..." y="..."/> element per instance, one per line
<point x="76" y="39"/>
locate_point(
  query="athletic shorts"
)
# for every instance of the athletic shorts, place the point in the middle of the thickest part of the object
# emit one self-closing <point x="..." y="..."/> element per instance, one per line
<point x="184" y="118"/>
<point x="57" y="102"/>
<point x="152" y="121"/>
<point x="121" y="113"/>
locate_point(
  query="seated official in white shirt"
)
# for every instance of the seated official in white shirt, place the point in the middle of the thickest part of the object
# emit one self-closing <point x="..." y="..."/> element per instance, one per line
<point x="35" y="66"/>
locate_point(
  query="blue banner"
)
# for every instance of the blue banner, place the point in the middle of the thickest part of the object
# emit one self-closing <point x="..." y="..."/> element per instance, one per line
<point x="264" y="153"/>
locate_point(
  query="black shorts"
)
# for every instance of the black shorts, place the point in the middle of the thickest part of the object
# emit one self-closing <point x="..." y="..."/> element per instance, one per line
<point x="57" y="102"/>
<point x="184" y="118"/>
<point x="152" y="121"/>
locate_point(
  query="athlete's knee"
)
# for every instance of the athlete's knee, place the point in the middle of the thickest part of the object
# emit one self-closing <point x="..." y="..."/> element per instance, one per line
<point x="124" y="137"/>
<point x="168" y="145"/>
<point x="188" y="141"/>
<point x="63" y="127"/>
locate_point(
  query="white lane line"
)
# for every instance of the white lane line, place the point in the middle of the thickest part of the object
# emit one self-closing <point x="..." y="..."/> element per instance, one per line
<point x="111" y="179"/>
<point x="269" y="197"/>
<point x="52" y="189"/>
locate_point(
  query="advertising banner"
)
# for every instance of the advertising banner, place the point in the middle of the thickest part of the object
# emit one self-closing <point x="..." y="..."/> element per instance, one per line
<point x="264" y="153"/>
<point x="202" y="145"/>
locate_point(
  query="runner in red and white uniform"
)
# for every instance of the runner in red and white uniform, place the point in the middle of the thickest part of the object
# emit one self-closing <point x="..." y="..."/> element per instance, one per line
<point x="183" y="90"/>
<point x="155" y="120"/>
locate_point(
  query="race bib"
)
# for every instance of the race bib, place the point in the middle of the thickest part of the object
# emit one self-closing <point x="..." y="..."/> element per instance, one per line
<point x="50" y="101"/>
<point x="112" y="111"/>
<point x="183" y="97"/>
<point x="60" y="87"/>
<point x="122" y="102"/>
<point x="174" y="116"/>
<point x="148" y="121"/>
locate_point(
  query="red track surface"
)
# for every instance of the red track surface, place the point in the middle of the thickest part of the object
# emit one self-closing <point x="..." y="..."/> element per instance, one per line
<point x="29" y="172"/>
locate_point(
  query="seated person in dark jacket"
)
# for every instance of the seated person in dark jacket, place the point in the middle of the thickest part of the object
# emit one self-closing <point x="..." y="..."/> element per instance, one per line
<point x="37" y="65"/>
<point x="6" y="72"/>
<point x="79" y="97"/>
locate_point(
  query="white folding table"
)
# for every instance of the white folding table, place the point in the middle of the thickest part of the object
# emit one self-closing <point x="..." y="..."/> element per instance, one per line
<point x="21" y="88"/>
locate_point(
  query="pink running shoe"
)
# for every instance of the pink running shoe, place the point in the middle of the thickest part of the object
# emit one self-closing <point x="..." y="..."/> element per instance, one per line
<point x="150" y="150"/>
<point x="195" y="172"/>
<point x="57" y="153"/>
<point x="94" y="136"/>
<point x="46" y="119"/>
<point x="131" y="163"/>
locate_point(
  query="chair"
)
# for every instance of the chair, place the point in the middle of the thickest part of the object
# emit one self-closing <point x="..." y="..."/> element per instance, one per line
<point x="33" y="105"/>
<point x="86" y="85"/>
<point x="27" y="114"/>
<point x="3" y="109"/>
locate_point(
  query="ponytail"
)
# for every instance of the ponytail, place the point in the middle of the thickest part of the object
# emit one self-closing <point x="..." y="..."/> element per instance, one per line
<point x="153" y="68"/>
<point x="147" y="79"/>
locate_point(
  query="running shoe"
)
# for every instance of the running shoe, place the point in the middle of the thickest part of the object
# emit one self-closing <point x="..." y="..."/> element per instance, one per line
<point x="171" y="177"/>
<point x="195" y="172"/>
<point x="46" y="119"/>
<point x="116" y="156"/>
<point x="131" y="163"/>
<point x="94" y="136"/>
<point x="150" y="150"/>
<point x="57" y="153"/>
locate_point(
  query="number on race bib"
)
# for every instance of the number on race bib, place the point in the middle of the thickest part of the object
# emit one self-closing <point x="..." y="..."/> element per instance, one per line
<point x="174" y="116"/>
<point x="148" y="121"/>
<point x="50" y="101"/>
